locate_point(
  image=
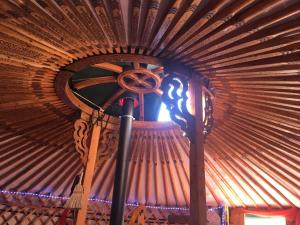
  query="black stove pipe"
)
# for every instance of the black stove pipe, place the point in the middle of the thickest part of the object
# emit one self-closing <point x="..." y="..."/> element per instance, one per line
<point x="119" y="193"/>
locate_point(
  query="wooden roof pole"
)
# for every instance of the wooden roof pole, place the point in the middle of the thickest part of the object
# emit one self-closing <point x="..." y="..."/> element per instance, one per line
<point x="197" y="172"/>
<point x="88" y="174"/>
<point x="142" y="106"/>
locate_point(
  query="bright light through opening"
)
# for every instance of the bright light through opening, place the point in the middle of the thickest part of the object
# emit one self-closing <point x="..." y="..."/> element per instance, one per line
<point x="164" y="114"/>
<point x="260" y="220"/>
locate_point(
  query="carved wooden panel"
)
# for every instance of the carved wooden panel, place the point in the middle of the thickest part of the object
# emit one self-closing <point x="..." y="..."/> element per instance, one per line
<point x="109" y="140"/>
<point x="81" y="135"/>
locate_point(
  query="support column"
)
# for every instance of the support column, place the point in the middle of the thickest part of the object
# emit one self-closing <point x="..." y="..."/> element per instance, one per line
<point x="88" y="174"/>
<point x="118" y="201"/>
<point x="198" y="209"/>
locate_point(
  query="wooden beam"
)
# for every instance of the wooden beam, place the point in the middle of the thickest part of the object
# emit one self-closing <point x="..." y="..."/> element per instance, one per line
<point x="88" y="174"/>
<point x="192" y="97"/>
<point x="110" y="67"/>
<point x="237" y="217"/>
<point x="198" y="209"/>
<point x="136" y="65"/>
<point x="142" y="106"/>
<point x="158" y="70"/>
<point x="94" y="81"/>
<point x="113" y="98"/>
<point x="158" y="92"/>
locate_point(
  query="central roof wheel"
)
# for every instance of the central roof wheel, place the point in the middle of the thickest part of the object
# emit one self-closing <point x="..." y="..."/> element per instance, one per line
<point x="99" y="82"/>
<point x="103" y="84"/>
<point x="140" y="81"/>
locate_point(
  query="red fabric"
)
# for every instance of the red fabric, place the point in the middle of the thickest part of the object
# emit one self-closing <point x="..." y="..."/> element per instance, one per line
<point x="64" y="215"/>
<point x="292" y="214"/>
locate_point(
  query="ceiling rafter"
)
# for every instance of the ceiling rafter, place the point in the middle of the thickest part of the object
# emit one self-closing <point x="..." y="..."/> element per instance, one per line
<point x="248" y="49"/>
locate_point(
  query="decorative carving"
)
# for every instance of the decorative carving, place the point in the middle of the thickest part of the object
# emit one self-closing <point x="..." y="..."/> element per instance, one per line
<point x="80" y="135"/>
<point x="138" y="216"/>
<point x="104" y="20"/>
<point x="109" y="140"/>
<point x="175" y="96"/>
<point x="208" y="113"/>
<point x="139" y="80"/>
<point x="151" y="17"/>
<point x="118" y="21"/>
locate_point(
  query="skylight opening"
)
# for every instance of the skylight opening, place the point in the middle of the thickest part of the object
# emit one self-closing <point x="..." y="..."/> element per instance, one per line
<point x="164" y="114"/>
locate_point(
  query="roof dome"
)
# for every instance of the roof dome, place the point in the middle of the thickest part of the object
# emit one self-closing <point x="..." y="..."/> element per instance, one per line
<point x="249" y="50"/>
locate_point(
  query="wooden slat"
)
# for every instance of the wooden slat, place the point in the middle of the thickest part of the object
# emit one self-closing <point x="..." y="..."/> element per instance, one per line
<point x="113" y="98"/>
<point x="110" y="67"/>
<point x="248" y="49"/>
<point x="142" y="106"/>
<point x="94" y="81"/>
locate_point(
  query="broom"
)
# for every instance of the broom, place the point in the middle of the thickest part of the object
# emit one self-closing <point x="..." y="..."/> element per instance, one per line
<point x="76" y="182"/>
<point x="75" y="201"/>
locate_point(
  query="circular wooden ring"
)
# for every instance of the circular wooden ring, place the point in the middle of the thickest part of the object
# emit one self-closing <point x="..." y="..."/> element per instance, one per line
<point x="139" y="80"/>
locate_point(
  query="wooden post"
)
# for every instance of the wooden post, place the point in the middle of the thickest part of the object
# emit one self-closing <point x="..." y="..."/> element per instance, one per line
<point x="237" y="217"/>
<point x="198" y="209"/>
<point x="88" y="174"/>
<point x="142" y="106"/>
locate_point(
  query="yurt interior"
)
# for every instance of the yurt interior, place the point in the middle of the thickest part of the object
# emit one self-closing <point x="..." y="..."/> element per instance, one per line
<point x="150" y="112"/>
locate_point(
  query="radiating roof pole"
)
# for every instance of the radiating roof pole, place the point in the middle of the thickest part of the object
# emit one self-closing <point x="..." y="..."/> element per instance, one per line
<point x="119" y="193"/>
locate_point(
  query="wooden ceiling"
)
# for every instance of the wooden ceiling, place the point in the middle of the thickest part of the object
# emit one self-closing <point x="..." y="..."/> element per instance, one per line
<point x="249" y="49"/>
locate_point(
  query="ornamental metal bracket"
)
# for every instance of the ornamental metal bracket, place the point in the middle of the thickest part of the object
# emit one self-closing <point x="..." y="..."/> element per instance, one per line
<point x="175" y="96"/>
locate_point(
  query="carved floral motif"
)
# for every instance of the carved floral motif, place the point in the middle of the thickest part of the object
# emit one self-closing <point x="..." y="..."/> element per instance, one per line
<point x="108" y="141"/>
<point x="175" y="96"/>
<point x="80" y="138"/>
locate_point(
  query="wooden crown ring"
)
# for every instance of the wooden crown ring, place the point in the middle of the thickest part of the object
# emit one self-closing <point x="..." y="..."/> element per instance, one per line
<point x="139" y="80"/>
